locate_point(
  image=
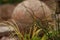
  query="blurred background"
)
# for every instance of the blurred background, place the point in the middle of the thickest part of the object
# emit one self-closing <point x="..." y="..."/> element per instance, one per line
<point x="10" y="1"/>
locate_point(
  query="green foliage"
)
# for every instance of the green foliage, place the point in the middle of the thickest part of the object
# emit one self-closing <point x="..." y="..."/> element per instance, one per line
<point x="50" y="34"/>
<point x="36" y="38"/>
<point x="45" y="37"/>
<point x="10" y="1"/>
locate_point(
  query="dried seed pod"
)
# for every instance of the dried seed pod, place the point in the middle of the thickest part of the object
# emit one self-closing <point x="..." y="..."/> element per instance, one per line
<point x="25" y="13"/>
